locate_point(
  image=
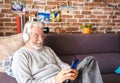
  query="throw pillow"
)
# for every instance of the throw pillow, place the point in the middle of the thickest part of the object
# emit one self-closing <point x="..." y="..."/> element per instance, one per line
<point x="6" y="65"/>
<point x="9" y="44"/>
<point x="117" y="71"/>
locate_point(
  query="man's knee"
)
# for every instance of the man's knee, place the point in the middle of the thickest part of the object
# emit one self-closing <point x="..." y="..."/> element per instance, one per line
<point x="90" y="57"/>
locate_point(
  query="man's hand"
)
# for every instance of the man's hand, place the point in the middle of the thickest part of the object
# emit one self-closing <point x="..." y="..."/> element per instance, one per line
<point x="66" y="74"/>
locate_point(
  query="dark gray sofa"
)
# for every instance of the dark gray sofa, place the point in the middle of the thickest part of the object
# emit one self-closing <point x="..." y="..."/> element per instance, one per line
<point x="104" y="47"/>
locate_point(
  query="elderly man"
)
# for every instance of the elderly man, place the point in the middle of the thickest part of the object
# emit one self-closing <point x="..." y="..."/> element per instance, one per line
<point x="35" y="63"/>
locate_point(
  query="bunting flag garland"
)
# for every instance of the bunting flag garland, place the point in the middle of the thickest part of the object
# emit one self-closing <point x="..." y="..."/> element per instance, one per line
<point x="55" y="16"/>
<point x="43" y="16"/>
<point x="17" y="6"/>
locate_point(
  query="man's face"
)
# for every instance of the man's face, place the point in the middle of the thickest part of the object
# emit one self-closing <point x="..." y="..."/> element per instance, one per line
<point x="36" y="37"/>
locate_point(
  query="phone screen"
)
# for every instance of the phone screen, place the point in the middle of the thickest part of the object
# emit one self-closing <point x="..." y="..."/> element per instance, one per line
<point x="74" y="63"/>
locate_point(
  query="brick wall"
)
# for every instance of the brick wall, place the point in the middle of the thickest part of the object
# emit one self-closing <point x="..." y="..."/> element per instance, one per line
<point x="104" y="15"/>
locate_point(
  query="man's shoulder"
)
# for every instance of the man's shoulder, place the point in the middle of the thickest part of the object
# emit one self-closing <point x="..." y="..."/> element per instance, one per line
<point x="20" y="51"/>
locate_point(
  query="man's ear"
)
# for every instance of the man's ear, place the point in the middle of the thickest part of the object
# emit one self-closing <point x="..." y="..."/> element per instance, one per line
<point x="25" y="37"/>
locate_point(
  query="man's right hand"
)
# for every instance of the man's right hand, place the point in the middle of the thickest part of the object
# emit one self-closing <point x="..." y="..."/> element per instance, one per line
<point x="66" y="74"/>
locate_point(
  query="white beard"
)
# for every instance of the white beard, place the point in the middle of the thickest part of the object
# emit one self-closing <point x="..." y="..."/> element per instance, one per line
<point x="35" y="46"/>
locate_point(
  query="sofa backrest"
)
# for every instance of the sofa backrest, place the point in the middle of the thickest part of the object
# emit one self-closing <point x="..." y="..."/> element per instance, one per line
<point x="104" y="47"/>
<point x="72" y="44"/>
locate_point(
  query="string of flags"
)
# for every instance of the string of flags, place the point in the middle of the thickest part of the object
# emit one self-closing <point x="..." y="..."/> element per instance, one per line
<point x="42" y="15"/>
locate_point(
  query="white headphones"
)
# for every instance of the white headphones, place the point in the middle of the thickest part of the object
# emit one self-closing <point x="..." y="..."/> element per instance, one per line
<point x="25" y="37"/>
<point x="27" y="30"/>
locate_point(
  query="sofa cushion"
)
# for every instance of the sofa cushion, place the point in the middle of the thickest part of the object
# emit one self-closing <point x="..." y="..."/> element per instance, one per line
<point x="108" y="62"/>
<point x="111" y="78"/>
<point x="8" y="45"/>
<point x="6" y="65"/>
<point x="4" y="78"/>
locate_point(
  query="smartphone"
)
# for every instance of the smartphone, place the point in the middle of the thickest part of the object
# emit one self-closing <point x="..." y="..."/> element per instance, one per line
<point x="73" y="66"/>
<point x="74" y="63"/>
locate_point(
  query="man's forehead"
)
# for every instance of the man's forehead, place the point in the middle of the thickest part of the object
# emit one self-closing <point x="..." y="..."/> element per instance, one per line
<point x="37" y="30"/>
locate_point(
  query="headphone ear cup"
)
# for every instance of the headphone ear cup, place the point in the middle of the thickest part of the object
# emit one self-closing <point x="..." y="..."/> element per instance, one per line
<point x="25" y="37"/>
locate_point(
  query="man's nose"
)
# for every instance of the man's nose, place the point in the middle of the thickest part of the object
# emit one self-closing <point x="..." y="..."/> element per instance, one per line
<point x="40" y="39"/>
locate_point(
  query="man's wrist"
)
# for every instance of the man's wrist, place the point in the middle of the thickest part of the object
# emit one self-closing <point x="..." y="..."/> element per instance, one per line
<point x="55" y="79"/>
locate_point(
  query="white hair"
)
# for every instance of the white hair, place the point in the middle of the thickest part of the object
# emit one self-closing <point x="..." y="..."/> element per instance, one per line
<point x="29" y="25"/>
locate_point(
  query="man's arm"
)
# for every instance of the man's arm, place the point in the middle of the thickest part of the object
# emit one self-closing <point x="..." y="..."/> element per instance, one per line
<point x="66" y="72"/>
<point x="58" y="60"/>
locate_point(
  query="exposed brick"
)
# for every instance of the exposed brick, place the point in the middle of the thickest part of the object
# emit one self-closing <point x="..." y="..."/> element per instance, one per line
<point x="11" y="15"/>
<point x="7" y="1"/>
<point x="2" y="29"/>
<point x="111" y="24"/>
<point x="53" y="24"/>
<point x="98" y="13"/>
<point x="49" y="7"/>
<point x="117" y="13"/>
<point x="109" y="0"/>
<point x="52" y="3"/>
<point x="10" y="33"/>
<point x="112" y="17"/>
<point x="1" y="24"/>
<point x="116" y="20"/>
<point x="5" y="19"/>
<point x="6" y="11"/>
<point x="66" y="16"/>
<point x="72" y="20"/>
<point x="90" y="16"/>
<point x="86" y="12"/>
<point x="118" y="5"/>
<point x="107" y="9"/>
<point x="59" y="0"/>
<point x="1" y="34"/>
<point x="106" y="21"/>
<point x="117" y="24"/>
<point x="14" y="19"/>
<point x="95" y="20"/>
<point x="63" y="20"/>
<point x="78" y="4"/>
<point x="1" y="15"/>
<point x="10" y="24"/>
<point x="83" y="20"/>
<point x="3" y="6"/>
<point x="108" y="13"/>
<point x="100" y="5"/>
<point x="78" y="0"/>
<point x="79" y="16"/>
<point x="77" y="12"/>
<point x="102" y="17"/>
<point x="90" y="4"/>
<point x="10" y="29"/>
<point x="8" y="6"/>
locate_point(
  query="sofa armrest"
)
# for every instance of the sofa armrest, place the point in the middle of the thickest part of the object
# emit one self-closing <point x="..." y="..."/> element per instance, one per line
<point x="4" y="78"/>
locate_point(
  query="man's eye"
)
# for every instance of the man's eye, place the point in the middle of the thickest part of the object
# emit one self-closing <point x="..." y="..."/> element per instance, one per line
<point x="36" y="35"/>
